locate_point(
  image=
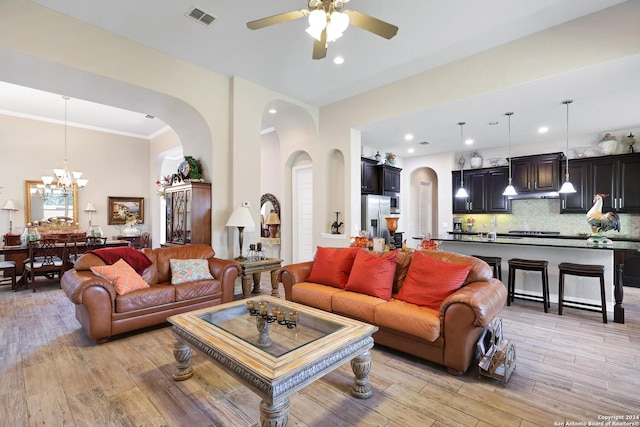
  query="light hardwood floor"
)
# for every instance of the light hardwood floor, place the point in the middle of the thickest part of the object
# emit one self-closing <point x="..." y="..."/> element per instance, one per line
<point x="571" y="367"/>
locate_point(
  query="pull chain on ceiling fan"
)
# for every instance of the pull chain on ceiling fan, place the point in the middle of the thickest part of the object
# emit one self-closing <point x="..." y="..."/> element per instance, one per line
<point x="327" y="21"/>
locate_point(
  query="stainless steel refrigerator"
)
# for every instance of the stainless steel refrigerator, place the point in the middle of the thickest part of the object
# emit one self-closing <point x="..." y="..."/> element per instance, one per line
<point x="373" y="211"/>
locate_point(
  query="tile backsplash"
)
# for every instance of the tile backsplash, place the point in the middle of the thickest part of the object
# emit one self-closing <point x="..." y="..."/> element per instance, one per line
<point x="543" y="215"/>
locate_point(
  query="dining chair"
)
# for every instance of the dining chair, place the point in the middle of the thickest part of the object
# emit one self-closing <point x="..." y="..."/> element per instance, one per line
<point x="46" y="258"/>
<point x="8" y="269"/>
<point x="76" y="251"/>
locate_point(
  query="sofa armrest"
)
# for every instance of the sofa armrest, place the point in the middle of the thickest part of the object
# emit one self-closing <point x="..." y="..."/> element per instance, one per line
<point x="292" y="274"/>
<point x="486" y="299"/>
<point x="226" y="271"/>
<point x="74" y="283"/>
<point x="463" y="316"/>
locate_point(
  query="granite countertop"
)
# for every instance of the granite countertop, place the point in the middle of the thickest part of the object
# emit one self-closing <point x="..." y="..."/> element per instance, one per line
<point x="567" y="242"/>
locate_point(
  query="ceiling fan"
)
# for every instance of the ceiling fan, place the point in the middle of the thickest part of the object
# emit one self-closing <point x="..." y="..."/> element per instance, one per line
<point x="327" y="21"/>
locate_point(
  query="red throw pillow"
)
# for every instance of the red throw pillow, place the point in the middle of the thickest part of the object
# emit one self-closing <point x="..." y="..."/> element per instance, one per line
<point x="373" y="275"/>
<point x="429" y="281"/>
<point x="332" y="266"/>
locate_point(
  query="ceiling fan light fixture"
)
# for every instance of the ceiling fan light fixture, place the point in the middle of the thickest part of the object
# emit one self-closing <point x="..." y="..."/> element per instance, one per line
<point x="338" y="23"/>
<point x="317" y="23"/>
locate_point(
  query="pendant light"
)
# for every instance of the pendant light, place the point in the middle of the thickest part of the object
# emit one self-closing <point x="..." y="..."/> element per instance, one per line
<point x="461" y="193"/>
<point x="567" y="187"/>
<point x="510" y="190"/>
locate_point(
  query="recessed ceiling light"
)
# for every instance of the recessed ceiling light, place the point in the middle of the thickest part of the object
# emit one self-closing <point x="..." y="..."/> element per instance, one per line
<point x="408" y="137"/>
<point x="468" y="141"/>
<point x="543" y="129"/>
<point x="338" y="60"/>
<point x="272" y="111"/>
<point x="410" y="150"/>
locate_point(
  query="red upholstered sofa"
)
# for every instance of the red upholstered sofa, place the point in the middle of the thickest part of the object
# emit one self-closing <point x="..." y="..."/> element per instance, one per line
<point x="103" y="312"/>
<point x="446" y="336"/>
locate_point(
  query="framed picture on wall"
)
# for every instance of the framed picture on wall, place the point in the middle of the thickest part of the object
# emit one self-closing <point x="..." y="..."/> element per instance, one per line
<point x="124" y="210"/>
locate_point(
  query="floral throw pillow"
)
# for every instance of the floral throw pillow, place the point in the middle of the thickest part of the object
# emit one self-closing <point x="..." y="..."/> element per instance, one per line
<point x="189" y="270"/>
<point x="122" y="275"/>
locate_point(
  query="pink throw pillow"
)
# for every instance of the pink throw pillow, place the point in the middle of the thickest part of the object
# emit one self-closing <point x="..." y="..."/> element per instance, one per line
<point x="122" y="275"/>
<point x="373" y="275"/>
<point x="429" y="281"/>
<point x="332" y="266"/>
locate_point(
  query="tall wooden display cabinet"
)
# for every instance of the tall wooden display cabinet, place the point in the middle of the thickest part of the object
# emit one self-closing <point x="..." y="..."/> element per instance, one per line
<point x="188" y="214"/>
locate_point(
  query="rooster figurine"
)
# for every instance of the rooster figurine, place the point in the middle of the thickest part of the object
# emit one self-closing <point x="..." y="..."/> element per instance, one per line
<point x="601" y="223"/>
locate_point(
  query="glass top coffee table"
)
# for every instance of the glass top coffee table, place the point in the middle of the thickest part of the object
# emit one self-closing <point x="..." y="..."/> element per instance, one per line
<point x="276" y="348"/>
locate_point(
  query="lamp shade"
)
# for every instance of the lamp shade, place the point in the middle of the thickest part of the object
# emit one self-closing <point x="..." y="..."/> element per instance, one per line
<point x="90" y="207"/>
<point x="9" y="206"/>
<point x="240" y="217"/>
<point x="273" y="219"/>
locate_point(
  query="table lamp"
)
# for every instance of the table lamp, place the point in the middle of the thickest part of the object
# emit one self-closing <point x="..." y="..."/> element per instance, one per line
<point x="241" y="218"/>
<point x="91" y="209"/>
<point x="273" y="221"/>
<point x="11" y="207"/>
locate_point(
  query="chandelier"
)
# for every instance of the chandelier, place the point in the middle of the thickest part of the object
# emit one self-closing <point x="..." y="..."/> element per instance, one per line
<point x="65" y="180"/>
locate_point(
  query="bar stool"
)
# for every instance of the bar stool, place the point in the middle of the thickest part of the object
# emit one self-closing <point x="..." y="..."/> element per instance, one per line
<point x="495" y="262"/>
<point x="8" y="267"/>
<point x="529" y="265"/>
<point x="583" y="270"/>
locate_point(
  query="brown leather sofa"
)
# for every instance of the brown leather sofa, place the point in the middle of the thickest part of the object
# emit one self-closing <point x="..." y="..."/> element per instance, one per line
<point x="447" y="337"/>
<point x="102" y="312"/>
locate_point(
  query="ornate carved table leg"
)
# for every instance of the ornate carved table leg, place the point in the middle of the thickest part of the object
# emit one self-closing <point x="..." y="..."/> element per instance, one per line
<point x="274" y="284"/>
<point x="182" y="353"/>
<point x="256" y="283"/>
<point x="361" y="365"/>
<point x="246" y="285"/>
<point x="276" y="415"/>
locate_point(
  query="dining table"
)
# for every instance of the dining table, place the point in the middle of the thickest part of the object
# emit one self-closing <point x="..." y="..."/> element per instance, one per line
<point x="19" y="254"/>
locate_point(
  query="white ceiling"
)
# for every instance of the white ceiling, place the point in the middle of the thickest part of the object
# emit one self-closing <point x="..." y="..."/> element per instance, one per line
<point x="432" y="33"/>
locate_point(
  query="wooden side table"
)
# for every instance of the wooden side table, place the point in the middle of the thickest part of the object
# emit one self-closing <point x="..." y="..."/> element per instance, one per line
<point x="253" y="269"/>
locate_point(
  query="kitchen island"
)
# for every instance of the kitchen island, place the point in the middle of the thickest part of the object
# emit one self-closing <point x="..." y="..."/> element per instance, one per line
<point x="554" y="251"/>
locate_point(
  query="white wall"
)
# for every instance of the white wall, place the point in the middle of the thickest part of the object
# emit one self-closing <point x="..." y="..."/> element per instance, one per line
<point x="115" y="165"/>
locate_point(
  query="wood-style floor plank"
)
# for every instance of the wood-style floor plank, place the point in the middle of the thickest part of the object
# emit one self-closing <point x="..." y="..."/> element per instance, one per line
<point x="569" y="368"/>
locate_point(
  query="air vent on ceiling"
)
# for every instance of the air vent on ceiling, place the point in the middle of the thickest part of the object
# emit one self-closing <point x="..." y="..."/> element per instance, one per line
<point x="201" y="16"/>
<point x="423" y="142"/>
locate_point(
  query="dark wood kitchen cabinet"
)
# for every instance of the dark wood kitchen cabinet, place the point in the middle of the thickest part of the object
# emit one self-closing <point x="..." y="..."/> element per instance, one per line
<point x="580" y="177"/>
<point x="475" y="182"/>
<point x="390" y="185"/>
<point x="497" y="181"/>
<point x="485" y="188"/>
<point x="536" y="173"/>
<point x="618" y="176"/>
<point x="369" y="176"/>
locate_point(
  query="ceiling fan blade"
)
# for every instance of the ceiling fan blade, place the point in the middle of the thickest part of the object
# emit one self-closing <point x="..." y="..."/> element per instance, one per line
<point x="277" y="19"/>
<point x="371" y="24"/>
<point x="320" y="46"/>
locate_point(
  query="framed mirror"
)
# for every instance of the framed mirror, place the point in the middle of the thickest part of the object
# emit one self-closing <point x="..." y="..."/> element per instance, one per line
<point x="268" y="204"/>
<point x="50" y="208"/>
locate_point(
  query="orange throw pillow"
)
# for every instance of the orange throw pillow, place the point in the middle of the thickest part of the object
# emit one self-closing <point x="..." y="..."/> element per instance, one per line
<point x="122" y="275"/>
<point x="332" y="266"/>
<point x="373" y="275"/>
<point x="429" y="281"/>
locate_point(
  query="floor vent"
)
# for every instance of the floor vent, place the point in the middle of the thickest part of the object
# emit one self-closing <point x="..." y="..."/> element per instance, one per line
<point x="201" y="16"/>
